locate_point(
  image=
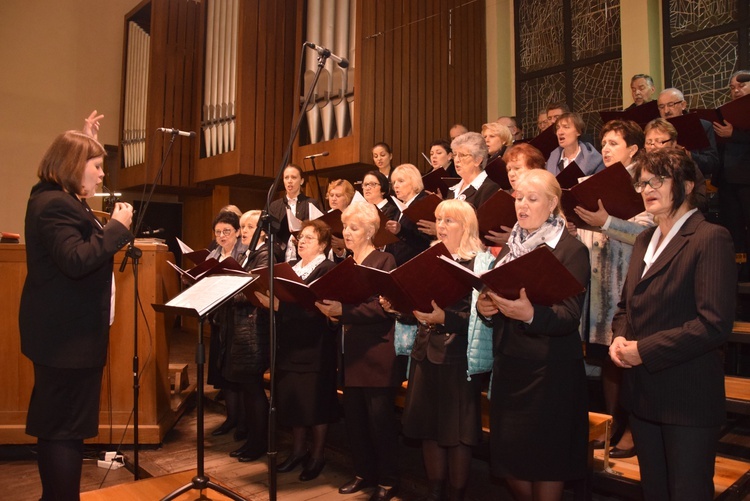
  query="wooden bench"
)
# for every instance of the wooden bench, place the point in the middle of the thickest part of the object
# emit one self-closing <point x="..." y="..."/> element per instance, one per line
<point x="738" y="394"/>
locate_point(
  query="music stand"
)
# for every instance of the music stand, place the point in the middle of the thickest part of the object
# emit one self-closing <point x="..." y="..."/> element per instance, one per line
<point x="199" y="301"/>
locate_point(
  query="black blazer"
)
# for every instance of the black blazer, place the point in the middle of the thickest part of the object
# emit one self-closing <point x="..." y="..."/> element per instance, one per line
<point x="411" y="241"/>
<point x="681" y="313"/>
<point x="477" y="197"/>
<point x="305" y="338"/>
<point x="65" y="303"/>
<point x="707" y="158"/>
<point x="553" y="334"/>
<point x="278" y="208"/>
<point x="369" y="355"/>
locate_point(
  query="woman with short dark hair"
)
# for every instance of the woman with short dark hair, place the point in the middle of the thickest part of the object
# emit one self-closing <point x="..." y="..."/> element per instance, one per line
<point x="674" y="317"/>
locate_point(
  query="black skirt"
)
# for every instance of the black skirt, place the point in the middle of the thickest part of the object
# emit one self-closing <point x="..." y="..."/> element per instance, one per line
<point x="539" y="419"/>
<point x="306" y="398"/>
<point x="442" y="405"/>
<point x="64" y="403"/>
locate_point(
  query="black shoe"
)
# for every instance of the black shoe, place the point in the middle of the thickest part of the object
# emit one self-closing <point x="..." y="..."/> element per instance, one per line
<point x="223" y="429"/>
<point x="383" y="493"/>
<point x="246" y="447"/>
<point x="597" y="444"/>
<point x="355" y="485"/>
<point x="292" y="461"/>
<point x="250" y="456"/>
<point x="618" y="453"/>
<point x="312" y="469"/>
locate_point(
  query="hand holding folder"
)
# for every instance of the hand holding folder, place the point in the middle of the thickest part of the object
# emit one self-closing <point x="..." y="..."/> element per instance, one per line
<point x="416" y="283"/>
<point x="545" y="279"/>
<point x="613" y="186"/>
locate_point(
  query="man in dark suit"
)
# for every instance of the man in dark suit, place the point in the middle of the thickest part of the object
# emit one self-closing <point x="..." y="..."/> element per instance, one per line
<point x="671" y="104"/>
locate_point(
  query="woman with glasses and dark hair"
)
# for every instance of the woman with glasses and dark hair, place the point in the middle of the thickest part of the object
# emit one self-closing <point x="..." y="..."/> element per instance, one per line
<point x="226" y="227"/>
<point x="375" y="189"/>
<point x="675" y="315"/>
<point x="662" y="134"/>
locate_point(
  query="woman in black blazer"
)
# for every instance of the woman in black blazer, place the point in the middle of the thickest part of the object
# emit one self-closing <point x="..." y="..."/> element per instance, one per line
<point x="675" y="314"/>
<point x="407" y="183"/>
<point x="298" y="203"/>
<point x="306" y="360"/>
<point x="539" y="405"/>
<point x="244" y="332"/>
<point x="66" y="305"/>
<point x="371" y="369"/>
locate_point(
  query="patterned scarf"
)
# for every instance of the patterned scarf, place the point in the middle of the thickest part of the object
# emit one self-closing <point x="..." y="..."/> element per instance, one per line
<point x="522" y="241"/>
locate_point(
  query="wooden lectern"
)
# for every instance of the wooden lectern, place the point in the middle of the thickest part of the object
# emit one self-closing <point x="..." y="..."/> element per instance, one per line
<point x="158" y="409"/>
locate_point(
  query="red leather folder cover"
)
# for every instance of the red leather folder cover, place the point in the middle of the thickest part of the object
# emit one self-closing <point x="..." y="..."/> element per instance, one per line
<point x="280" y="270"/>
<point x="198" y="256"/>
<point x="383" y="237"/>
<point x="641" y="115"/>
<point x="546" y="141"/>
<point x="690" y="133"/>
<point x="613" y="186"/>
<point x="434" y="181"/>
<point x="498" y="210"/>
<point x="570" y="175"/>
<point x="498" y="172"/>
<point x="417" y="282"/>
<point x="333" y="220"/>
<point x="424" y="208"/>
<point x="342" y="283"/>
<point x="545" y="279"/>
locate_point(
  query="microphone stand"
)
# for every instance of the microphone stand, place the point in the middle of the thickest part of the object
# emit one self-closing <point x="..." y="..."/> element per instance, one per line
<point x="317" y="180"/>
<point x="267" y="221"/>
<point x="135" y="254"/>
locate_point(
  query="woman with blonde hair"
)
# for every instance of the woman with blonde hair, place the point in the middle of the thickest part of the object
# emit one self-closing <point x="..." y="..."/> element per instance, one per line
<point x="372" y="372"/>
<point x="539" y="406"/>
<point x="442" y="404"/>
<point x="408" y="186"/>
<point x="498" y="138"/>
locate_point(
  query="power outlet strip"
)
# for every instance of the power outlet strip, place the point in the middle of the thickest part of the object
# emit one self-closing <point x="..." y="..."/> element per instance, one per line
<point x="111" y="461"/>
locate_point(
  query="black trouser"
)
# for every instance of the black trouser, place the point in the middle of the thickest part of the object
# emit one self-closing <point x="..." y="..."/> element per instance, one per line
<point x="676" y="462"/>
<point x="372" y="429"/>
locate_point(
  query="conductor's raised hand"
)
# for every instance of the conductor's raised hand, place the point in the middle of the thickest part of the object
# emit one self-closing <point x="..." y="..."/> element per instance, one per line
<point x="91" y="125"/>
<point x="123" y="213"/>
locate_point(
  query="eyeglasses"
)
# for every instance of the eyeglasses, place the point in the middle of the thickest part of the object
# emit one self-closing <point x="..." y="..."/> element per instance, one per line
<point x="655" y="182"/>
<point x="670" y="105"/>
<point x="307" y="237"/>
<point x="658" y="142"/>
<point x="370" y="185"/>
<point x="463" y="156"/>
<point x="225" y="232"/>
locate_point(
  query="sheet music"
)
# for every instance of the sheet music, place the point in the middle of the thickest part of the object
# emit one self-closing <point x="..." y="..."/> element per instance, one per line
<point x="314" y="212"/>
<point x="293" y="223"/>
<point x="209" y="292"/>
<point x="184" y="248"/>
<point x="358" y="197"/>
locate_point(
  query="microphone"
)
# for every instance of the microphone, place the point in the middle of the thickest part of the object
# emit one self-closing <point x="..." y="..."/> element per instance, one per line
<point x="342" y="61"/>
<point x="177" y="132"/>
<point x="151" y="233"/>
<point x="323" y="154"/>
<point x="743" y="77"/>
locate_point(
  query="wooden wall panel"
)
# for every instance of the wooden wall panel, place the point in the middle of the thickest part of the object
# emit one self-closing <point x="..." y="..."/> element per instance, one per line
<point x="171" y="25"/>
